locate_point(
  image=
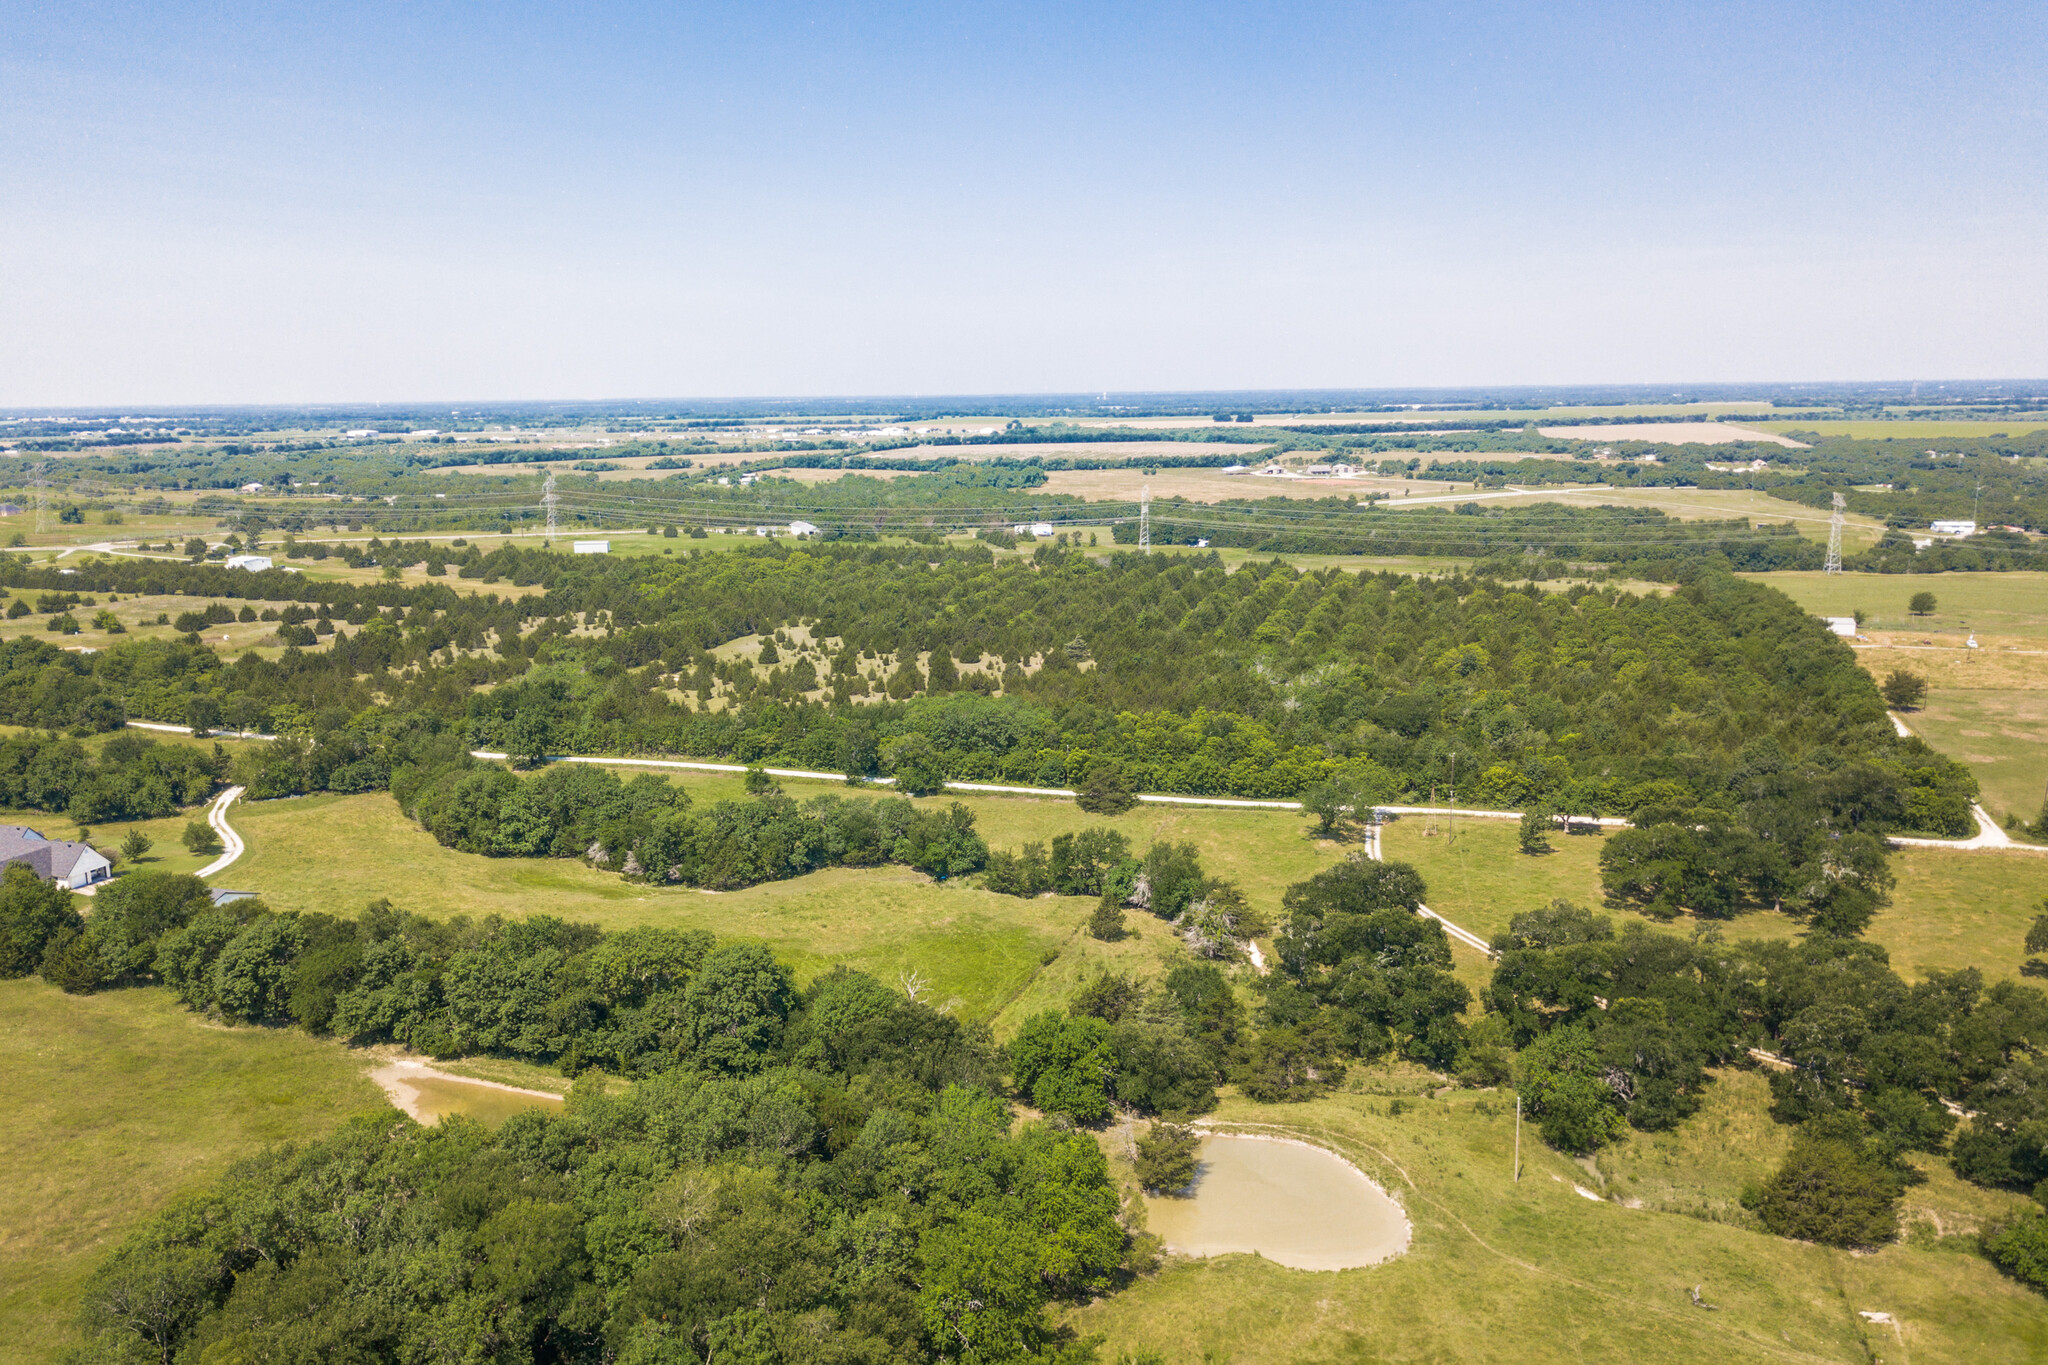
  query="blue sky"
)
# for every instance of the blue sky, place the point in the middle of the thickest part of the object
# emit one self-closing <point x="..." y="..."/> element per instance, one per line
<point x="230" y="202"/>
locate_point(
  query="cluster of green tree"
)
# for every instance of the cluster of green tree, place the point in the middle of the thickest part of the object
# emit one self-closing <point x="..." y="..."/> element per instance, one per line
<point x="1089" y="862"/>
<point x="1158" y="1051"/>
<point x="1524" y="534"/>
<point x="1996" y="480"/>
<point x="130" y="778"/>
<point x="1802" y="836"/>
<point x="648" y="830"/>
<point x="1617" y="1030"/>
<point x="822" y="1174"/>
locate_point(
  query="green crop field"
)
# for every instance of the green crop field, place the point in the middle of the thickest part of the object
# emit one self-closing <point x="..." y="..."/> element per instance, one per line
<point x="119" y="1103"/>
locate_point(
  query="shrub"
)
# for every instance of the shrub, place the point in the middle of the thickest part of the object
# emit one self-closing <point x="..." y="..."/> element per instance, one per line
<point x="2020" y="1249"/>
<point x="1106" y="792"/>
<point x="1107" y="923"/>
<point x="1168" y="1158"/>
<point x="1830" y="1191"/>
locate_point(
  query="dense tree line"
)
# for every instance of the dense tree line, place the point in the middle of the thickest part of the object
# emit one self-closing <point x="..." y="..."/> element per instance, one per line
<point x="130" y="778"/>
<point x="1262" y="682"/>
<point x="648" y="830"/>
<point x="820" y="1174"/>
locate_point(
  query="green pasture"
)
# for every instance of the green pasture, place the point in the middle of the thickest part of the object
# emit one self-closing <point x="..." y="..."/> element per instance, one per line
<point x="1950" y="909"/>
<point x="1988" y="603"/>
<point x="2002" y="734"/>
<point x="120" y="1103"/>
<point x="980" y="952"/>
<point x="1535" y="1272"/>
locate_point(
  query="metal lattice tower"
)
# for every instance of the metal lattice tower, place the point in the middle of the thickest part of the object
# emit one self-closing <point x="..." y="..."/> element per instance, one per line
<point x="1145" y="521"/>
<point x="1834" y="564"/>
<point x="548" y="501"/>
<point x="42" y="495"/>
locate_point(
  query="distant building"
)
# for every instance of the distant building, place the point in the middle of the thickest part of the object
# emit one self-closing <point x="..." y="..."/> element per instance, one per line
<point x="592" y="547"/>
<point x="1237" y="469"/>
<point x="253" y="563"/>
<point x="802" y="528"/>
<point x="252" y="488"/>
<point x="220" y="895"/>
<point x="61" y="861"/>
<point x="1841" y="625"/>
<point x="1953" y="528"/>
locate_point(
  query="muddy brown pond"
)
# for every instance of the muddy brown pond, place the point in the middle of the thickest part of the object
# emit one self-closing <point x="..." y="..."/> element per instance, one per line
<point x="1294" y="1204"/>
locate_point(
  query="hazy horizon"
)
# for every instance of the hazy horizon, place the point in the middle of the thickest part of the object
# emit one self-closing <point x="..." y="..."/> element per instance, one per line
<point x="239" y="204"/>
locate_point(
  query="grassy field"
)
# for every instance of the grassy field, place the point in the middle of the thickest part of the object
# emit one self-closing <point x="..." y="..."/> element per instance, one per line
<point x="1533" y="1272"/>
<point x="1990" y="603"/>
<point x="120" y="1103"/>
<point x="981" y="953"/>
<point x="1950" y="909"/>
<point x="1909" y="428"/>
<point x="2002" y="734"/>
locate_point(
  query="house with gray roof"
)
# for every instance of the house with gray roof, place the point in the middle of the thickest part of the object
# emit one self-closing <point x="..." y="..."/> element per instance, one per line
<point x="62" y="861"/>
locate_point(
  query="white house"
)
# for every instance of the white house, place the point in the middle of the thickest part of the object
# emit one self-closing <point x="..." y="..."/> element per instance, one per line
<point x="1237" y="469"/>
<point x="592" y="547"/>
<point x="61" y="861"/>
<point x="253" y="563"/>
<point x="1841" y="625"/>
<point x="802" y="528"/>
<point x="1041" y="529"/>
<point x="252" y="488"/>
<point x="1953" y="528"/>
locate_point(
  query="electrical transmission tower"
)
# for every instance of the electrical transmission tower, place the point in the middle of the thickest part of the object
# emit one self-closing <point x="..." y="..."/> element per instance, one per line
<point x="1145" y="521"/>
<point x="548" y="501"/>
<point x="42" y="495"/>
<point x="1834" y="564"/>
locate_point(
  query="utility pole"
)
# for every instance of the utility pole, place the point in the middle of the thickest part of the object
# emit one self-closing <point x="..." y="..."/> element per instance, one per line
<point x="548" y="501"/>
<point x="42" y="495"/>
<point x="1834" y="564"/>
<point x="1452" y="836"/>
<point x="1145" y="521"/>
<point x="1518" y="1139"/>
